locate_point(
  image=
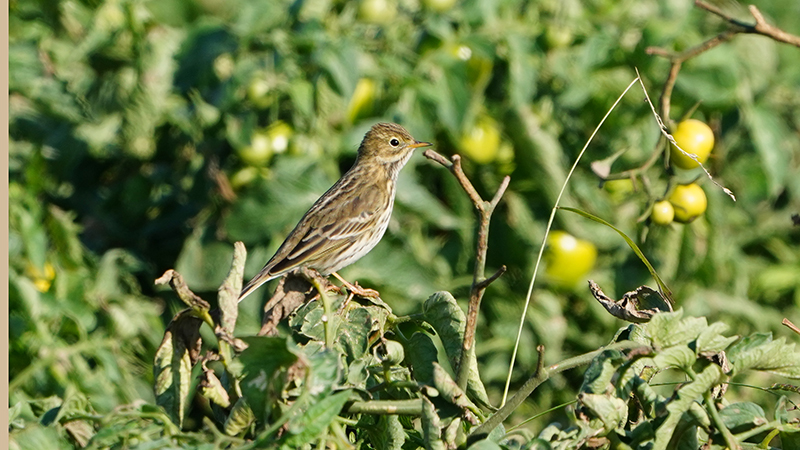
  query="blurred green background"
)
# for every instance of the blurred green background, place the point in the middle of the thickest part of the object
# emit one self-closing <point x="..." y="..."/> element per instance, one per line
<point x="148" y="135"/>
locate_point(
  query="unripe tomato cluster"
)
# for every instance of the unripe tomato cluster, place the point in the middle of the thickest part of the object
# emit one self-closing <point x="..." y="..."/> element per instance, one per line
<point x="686" y="202"/>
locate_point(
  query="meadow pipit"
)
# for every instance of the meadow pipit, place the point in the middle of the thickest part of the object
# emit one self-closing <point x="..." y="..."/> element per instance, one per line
<point x="350" y="219"/>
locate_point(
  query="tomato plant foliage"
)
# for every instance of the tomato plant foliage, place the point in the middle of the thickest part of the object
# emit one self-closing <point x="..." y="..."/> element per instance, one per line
<point x="150" y="135"/>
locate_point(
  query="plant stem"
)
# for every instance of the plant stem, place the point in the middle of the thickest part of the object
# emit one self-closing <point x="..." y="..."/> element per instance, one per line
<point x="730" y="440"/>
<point x="479" y="281"/>
<point x="543" y="374"/>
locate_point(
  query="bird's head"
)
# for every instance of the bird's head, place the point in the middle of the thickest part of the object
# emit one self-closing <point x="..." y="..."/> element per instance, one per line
<point x="388" y="143"/>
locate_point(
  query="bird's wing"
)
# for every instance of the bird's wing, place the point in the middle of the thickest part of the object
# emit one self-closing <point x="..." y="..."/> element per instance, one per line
<point x="330" y="225"/>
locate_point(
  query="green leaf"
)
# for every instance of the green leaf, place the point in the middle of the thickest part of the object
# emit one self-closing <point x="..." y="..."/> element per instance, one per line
<point x="678" y="356"/>
<point x="598" y="376"/>
<point x="759" y="352"/>
<point x="683" y="400"/>
<point x="421" y="353"/>
<point x="431" y="426"/>
<point x="325" y="368"/>
<point x="742" y="416"/>
<point x="387" y="434"/>
<point x="263" y="357"/>
<point x="38" y="437"/>
<point x="672" y="329"/>
<point x="711" y="339"/>
<point x="485" y="444"/>
<point x="65" y="235"/>
<point x="310" y="425"/>
<point x="174" y="360"/>
<point x="446" y="317"/>
<point x="790" y="439"/>
<point x="353" y="336"/>
<point x="240" y="417"/>
<point x="611" y="410"/>
<point x="770" y="138"/>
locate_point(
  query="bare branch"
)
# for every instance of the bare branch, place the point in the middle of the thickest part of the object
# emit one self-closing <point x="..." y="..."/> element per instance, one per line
<point x="788" y="323"/>
<point x="761" y="26"/>
<point x="479" y="282"/>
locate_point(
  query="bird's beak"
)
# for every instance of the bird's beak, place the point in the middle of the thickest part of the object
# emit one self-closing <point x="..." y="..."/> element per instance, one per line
<point x="419" y="144"/>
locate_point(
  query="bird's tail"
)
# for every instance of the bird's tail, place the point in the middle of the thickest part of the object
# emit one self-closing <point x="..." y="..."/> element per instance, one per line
<point x="254" y="284"/>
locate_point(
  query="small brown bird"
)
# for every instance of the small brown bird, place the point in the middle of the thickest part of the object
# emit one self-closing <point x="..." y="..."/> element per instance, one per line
<point x="351" y="217"/>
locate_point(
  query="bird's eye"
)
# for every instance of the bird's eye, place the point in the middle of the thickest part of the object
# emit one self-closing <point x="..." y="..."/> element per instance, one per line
<point x="394" y="142"/>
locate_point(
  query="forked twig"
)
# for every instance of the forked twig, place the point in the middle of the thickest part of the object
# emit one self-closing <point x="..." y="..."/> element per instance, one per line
<point x="479" y="281"/>
<point x="760" y="27"/>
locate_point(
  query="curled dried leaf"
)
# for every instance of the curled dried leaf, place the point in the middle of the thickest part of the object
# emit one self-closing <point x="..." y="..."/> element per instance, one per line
<point x="637" y="306"/>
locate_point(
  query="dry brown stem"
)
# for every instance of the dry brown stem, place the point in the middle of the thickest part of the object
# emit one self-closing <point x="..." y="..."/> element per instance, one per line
<point x="479" y="281"/>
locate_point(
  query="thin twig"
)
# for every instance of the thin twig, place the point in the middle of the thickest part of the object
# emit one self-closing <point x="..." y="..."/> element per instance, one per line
<point x="788" y="323"/>
<point x="485" y="283"/>
<point x="479" y="281"/>
<point x="671" y="139"/>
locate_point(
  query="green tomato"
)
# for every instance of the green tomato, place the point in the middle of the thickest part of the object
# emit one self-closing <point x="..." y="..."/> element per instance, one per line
<point x="619" y="190"/>
<point x="482" y="141"/>
<point x="558" y="36"/>
<point x="378" y="12"/>
<point x="259" y="152"/>
<point x="439" y="5"/>
<point x="568" y="258"/>
<point x="258" y="92"/>
<point x="663" y="213"/>
<point x="689" y="202"/>
<point x="692" y="136"/>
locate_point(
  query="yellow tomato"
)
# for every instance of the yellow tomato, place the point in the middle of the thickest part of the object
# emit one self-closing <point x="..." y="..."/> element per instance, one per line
<point x="663" y="213"/>
<point x="482" y="141"/>
<point x="362" y="100"/>
<point x="279" y="134"/>
<point x="42" y="278"/>
<point x="692" y="136"/>
<point x="689" y="202"/>
<point x="568" y="258"/>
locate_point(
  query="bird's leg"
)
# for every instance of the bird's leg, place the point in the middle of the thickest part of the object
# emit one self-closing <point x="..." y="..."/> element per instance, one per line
<point x="356" y="289"/>
<point x="345" y="302"/>
<point x="316" y="278"/>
